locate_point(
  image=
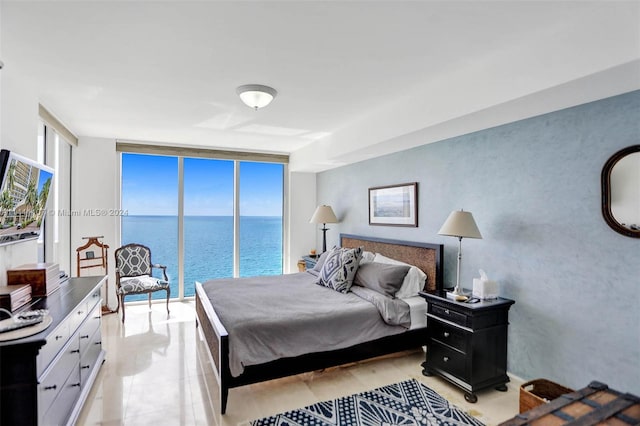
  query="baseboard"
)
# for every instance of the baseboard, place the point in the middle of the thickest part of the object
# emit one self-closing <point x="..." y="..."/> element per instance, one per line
<point x="515" y="378"/>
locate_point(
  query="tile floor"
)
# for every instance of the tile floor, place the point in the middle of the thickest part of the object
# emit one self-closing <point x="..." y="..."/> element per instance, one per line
<point x="157" y="372"/>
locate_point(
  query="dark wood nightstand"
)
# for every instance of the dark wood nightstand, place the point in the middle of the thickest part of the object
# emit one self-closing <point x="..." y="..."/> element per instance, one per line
<point x="310" y="260"/>
<point x="467" y="342"/>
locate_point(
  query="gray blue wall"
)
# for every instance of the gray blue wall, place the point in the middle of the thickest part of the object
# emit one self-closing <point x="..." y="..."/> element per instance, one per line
<point x="533" y="187"/>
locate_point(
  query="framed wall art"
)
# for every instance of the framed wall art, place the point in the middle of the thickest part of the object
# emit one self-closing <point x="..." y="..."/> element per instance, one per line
<point x="394" y="205"/>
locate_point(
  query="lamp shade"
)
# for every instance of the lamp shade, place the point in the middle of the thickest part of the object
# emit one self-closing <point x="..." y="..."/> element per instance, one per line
<point x="460" y="224"/>
<point x="324" y="214"/>
<point x="256" y="95"/>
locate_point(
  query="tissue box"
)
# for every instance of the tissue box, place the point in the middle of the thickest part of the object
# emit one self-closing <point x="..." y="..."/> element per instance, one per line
<point x="485" y="289"/>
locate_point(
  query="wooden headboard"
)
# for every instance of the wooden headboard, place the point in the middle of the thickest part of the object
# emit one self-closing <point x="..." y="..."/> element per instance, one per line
<point x="427" y="257"/>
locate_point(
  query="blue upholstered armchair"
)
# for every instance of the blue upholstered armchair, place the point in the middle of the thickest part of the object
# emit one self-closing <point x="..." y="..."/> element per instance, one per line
<point x="134" y="274"/>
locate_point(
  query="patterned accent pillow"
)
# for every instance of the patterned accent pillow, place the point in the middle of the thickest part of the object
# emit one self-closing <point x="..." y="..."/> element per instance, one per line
<point x="340" y="268"/>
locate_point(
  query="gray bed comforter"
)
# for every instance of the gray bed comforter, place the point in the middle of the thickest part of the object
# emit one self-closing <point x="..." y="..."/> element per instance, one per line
<point x="282" y="316"/>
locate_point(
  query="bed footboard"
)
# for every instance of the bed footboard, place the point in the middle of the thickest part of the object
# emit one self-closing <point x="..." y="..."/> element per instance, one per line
<point x="217" y="340"/>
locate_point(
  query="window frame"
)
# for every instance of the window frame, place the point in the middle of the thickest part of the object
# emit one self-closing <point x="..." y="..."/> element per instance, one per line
<point x="127" y="147"/>
<point x="53" y="140"/>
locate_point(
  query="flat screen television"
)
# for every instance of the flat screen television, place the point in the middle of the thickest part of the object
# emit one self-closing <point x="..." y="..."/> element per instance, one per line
<point x="24" y="190"/>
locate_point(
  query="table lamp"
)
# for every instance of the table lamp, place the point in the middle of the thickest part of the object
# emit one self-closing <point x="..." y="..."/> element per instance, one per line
<point x="324" y="214"/>
<point x="460" y="224"/>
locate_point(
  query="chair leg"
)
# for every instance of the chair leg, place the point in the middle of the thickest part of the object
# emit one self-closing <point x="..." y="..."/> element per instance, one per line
<point x="121" y="299"/>
<point x="168" y="294"/>
<point x="149" y="300"/>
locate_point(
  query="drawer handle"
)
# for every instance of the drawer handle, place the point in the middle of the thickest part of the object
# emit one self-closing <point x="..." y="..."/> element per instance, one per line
<point x="98" y="343"/>
<point x="75" y="351"/>
<point x="84" y="367"/>
<point x="445" y="359"/>
<point x="80" y="312"/>
<point x="59" y="337"/>
<point x="86" y="336"/>
<point x="446" y="311"/>
<point x="75" y="385"/>
<point x="446" y="334"/>
<point x="54" y="387"/>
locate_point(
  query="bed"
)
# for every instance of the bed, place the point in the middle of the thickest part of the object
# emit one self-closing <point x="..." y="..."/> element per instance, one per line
<point x="378" y="339"/>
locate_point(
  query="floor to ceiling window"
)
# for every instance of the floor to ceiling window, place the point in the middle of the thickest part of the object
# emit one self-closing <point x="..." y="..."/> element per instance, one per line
<point x="150" y="199"/>
<point x="260" y="219"/>
<point x="208" y="220"/>
<point x="204" y="218"/>
<point x="55" y="144"/>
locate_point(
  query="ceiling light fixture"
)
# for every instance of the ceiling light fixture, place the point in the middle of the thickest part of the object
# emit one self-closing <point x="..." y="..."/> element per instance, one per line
<point x="256" y="95"/>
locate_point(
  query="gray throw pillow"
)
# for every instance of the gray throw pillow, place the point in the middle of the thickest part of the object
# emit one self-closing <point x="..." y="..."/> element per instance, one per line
<point x="339" y="268"/>
<point x="381" y="277"/>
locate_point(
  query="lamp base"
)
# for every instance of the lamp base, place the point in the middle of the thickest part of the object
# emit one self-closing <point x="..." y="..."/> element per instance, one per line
<point x="457" y="294"/>
<point x="324" y="237"/>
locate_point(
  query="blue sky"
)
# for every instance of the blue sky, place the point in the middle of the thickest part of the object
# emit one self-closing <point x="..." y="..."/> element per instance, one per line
<point x="150" y="186"/>
<point x="43" y="177"/>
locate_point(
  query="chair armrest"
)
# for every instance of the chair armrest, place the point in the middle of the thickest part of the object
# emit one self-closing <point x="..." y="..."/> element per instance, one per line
<point x="164" y="270"/>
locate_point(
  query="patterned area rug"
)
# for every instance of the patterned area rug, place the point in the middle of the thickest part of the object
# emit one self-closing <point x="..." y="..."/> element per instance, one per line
<point x="405" y="403"/>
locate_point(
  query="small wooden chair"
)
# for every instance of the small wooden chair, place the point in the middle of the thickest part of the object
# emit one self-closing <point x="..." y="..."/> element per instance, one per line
<point x="134" y="274"/>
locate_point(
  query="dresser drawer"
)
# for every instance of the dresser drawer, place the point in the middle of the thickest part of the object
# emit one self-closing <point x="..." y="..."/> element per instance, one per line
<point x="94" y="298"/>
<point x="450" y="315"/>
<point x="78" y="315"/>
<point x="52" y="383"/>
<point x="55" y="342"/>
<point x="58" y="413"/>
<point x="88" y="328"/>
<point x="89" y="356"/>
<point x="448" y="334"/>
<point x="444" y="358"/>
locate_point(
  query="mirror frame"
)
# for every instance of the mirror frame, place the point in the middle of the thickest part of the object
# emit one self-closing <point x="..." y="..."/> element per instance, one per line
<point x="606" y="192"/>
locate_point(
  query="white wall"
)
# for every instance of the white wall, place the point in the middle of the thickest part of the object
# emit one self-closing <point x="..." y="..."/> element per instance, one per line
<point x="94" y="197"/>
<point x="534" y="189"/>
<point x="19" y="133"/>
<point x="301" y="237"/>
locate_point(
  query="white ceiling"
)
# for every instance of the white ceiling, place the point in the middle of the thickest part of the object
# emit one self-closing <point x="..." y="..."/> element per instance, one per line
<point x="352" y="76"/>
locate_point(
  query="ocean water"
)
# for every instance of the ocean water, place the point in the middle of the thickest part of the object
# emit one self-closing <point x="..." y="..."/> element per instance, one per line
<point x="208" y="247"/>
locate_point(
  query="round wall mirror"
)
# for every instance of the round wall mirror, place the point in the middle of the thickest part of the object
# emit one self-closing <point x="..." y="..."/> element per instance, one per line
<point x="621" y="191"/>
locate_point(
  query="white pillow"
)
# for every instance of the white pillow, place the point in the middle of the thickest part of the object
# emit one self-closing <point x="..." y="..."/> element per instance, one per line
<point x="367" y="257"/>
<point x="413" y="282"/>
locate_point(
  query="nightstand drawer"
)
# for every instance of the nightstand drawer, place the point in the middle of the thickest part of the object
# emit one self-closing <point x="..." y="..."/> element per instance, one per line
<point x="450" y="315"/>
<point x="449" y="335"/>
<point x="444" y="358"/>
